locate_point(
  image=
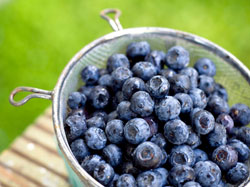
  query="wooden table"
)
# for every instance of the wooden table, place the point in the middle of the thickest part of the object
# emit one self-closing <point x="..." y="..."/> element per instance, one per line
<point x="32" y="159"/>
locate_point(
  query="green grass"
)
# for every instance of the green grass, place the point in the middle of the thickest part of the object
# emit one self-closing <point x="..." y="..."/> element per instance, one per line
<point x="38" y="38"/>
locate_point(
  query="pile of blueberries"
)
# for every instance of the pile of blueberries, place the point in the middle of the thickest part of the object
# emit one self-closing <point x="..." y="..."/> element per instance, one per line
<point x="149" y="120"/>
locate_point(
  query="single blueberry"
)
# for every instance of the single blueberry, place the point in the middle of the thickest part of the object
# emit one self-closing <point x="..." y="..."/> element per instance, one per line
<point x="200" y="155"/>
<point x="120" y="75"/>
<point x="141" y="103"/>
<point x="164" y="175"/>
<point x="226" y="121"/>
<point x="96" y="121"/>
<point x="220" y="91"/>
<point x="177" y="58"/>
<point x="159" y="140"/>
<point x="191" y="184"/>
<point x="124" y="112"/>
<point x="217" y="137"/>
<point x="90" y="75"/>
<point x="225" y="156"/>
<point x="116" y="61"/>
<point x="216" y="105"/>
<point x="114" y="131"/>
<point x="79" y="149"/>
<point x="182" y="155"/>
<point x="131" y="86"/>
<point x="167" y="73"/>
<point x="185" y="101"/>
<point x="240" y="114"/>
<point x="206" y="84"/>
<point x="112" y="154"/>
<point x="193" y="139"/>
<point x="192" y="75"/>
<point x="199" y="98"/>
<point x="99" y="97"/>
<point x="104" y="173"/>
<point x="101" y="113"/>
<point x="137" y="51"/>
<point x="76" y="100"/>
<point x="158" y="86"/>
<point x="91" y="162"/>
<point x="241" y="148"/>
<point x="203" y="122"/>
<point x="106" y="80"/>
<point x="157" y="58"/>
<point x="149" y="178"/>
<point x="168" y="108"/>
<point x="176" y="132"/>
<point x="95" y="138"/>
<point x="237" y="174"/>
<point x="207" y="173"/>
<point x="126" y="180"/>
<point x="144" y="70"/>
<point x="148" y="155"/>
<point x="180" y="83"/>
<point x="181" y="174"/>
<point x="112" y="115"/>
<point x="205" y="66"/>
<point x="244" y="135"/>
<point x="136" y="131"/>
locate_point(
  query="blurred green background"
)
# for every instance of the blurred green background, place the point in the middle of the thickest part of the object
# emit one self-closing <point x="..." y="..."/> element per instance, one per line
<point x="38" y="38"/>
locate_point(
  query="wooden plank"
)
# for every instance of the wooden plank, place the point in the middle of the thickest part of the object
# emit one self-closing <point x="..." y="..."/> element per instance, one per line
<point x="45" y="122"/>
<point x="31" y="171"/>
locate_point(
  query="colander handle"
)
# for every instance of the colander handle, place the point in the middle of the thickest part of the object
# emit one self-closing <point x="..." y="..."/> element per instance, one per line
<point x="114" y="23"/>
<point x="37" y="93"/>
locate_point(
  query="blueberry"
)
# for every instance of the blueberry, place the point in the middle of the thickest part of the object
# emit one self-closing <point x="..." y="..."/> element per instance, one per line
<point x="240" y="114"/>
<point x="103" y="71"/>
<point x="207" y="173"/>
<point x="137" y="51"/>
<point x="148" y="179"/>
<point x="244" y="135"/>
<point x="168" y="108"/>
<point x="205" y="66"/>
<point x="114" y="131"/>
<point x="124" y="112"/>
<point x="191" y="184"/>
<point x="78" y="112"/>
<point x="126" y="180"/>
<point x="225" y="156"/>
<point x="120" y="75"/>
<point x="158" y="86"/>
<point x="177" y="58"/>
<point x="112" y="115"/>
<point x="182" y="155"/>
<point x="152" y="124"/>
<point x="91" y="162"/>
<point x="79" y="149"/>
<point x="131" y="86"/>
<point x="216" y="105"/>
<point x="141" y="103"/>
<point x="99" y="97"/>
<point x="148" y="155"/>
<point x="181" y="174"/>
<point x="185" y="101"/>
<point x="199" y="98"/>
<point x="241" y="148"/>
<point x="159" y="140"/>
<point x="176" y="132"/>
<point x="144" y="70"/>
<point x="234" y="132"/>
<point x="129" y="168"/>
<point x="104" y="173"/>
<point x="237" y="174"/>
<point x="95" y="138"/>
<point x="77" y="126"/>
<point x="106" y="80"/>
<point x="164" y="175"/>
<point x="116" y="61"/>
<point x="180" y="83"/>
<point x="192" y="75"/>
<point x="113" y="182"/>
<point x="226" y="121"/>
<point x="193" y="139"/>
<point x="203" y="122"/>
<point x="217" y="137"/>
<point x="136" y="131"/>
<point x="167" y="73"/>
<point x="96" y="121"/>
<point x="101" y="113"/>
<point x="200" y="155"/>
<point x="157" y="58"/>
<point x="112" y="154"/>
<point x="87" y="91"/>
<point x="206" y="84"/>
<point x="76" y="100"/>
<point x="90" y="75"/>
<point x="220" y="91"/>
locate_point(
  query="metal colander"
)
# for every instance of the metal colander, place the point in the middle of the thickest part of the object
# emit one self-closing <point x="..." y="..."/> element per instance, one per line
<point x="231" y="73"/>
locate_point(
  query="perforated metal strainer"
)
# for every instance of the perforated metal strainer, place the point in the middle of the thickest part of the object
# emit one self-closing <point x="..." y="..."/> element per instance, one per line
<point x="231" y="73"/>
